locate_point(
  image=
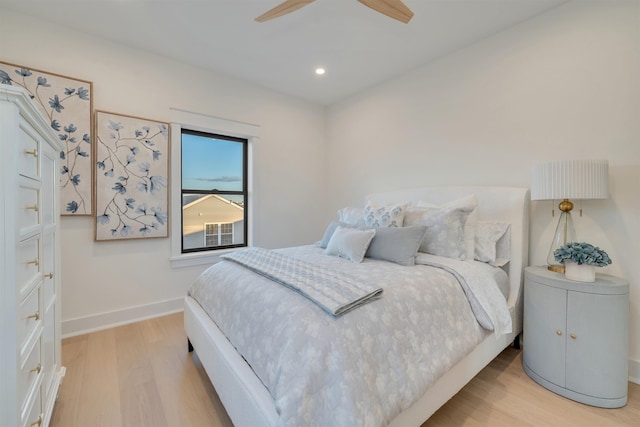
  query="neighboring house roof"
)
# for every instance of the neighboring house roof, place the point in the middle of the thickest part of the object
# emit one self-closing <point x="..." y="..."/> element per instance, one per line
<point x="208" y="196"/>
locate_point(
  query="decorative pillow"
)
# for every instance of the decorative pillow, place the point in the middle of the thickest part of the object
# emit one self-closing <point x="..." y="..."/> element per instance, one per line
<point x="493" y="243"/>
<point x="351" y="216"/>
<point x="383" y="216"/>
<point x="470" y="223"/>
<point x="445" y="230"/>
<point x="349" y="243"/>
<point x="396" y="244"/>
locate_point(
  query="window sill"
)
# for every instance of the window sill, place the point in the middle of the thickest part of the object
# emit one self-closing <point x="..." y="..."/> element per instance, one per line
<point x="199" y="258"/>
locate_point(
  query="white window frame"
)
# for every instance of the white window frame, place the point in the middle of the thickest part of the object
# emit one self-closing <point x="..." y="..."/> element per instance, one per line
<point x="210" y="124"/>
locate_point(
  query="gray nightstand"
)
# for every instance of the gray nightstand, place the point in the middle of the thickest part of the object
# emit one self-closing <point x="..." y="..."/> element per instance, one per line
<point x="576" y="336"/>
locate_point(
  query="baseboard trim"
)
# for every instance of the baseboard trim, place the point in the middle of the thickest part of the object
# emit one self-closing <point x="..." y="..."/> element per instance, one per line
<point x="634" y="371"/>
<point x="98" y="322"/>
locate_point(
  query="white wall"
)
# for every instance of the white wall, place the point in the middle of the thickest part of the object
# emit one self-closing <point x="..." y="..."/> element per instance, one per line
<point x="106" y="282"/>
<point x="563" y="85"/>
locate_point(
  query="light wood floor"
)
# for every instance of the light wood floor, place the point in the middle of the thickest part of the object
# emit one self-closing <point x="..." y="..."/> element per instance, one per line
<point x="142" y="375"/>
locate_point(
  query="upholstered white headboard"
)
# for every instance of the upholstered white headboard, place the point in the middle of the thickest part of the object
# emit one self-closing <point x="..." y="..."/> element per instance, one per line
<point x="506" y="204"/>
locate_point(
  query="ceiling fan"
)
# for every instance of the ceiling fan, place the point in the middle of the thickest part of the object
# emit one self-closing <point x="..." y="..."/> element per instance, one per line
<point x="392" y="8"/>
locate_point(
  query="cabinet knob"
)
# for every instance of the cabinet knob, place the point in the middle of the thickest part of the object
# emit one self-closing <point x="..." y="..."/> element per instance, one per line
<point x="49" y="276"/>
<point x="34" y="316"/>
<point x="559" y="332"/>
<point x="37" y="369"/>
<point x="32" y="207"/>
<point x="33" y="153"/>
<point x="33" y="261"/>
<point x="37" y="422"/>
<point x="573" y="336"/>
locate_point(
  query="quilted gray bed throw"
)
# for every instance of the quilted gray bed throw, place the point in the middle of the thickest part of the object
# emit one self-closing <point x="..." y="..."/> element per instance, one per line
<point x="334" y="292"/>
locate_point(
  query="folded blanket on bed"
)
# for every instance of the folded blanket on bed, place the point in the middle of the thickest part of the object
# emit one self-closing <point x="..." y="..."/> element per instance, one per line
<point x="334" y="292"/>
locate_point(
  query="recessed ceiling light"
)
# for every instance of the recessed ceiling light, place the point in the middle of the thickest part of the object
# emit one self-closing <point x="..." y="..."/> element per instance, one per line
<point x="320" y="71"/>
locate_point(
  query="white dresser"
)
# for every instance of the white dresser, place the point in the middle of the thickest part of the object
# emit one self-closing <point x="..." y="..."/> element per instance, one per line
<point x="30" y="362"/>
<point x="576" y="336"/>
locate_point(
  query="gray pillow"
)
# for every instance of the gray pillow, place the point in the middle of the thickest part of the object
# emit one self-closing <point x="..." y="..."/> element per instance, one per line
<point x="396" y="244"/>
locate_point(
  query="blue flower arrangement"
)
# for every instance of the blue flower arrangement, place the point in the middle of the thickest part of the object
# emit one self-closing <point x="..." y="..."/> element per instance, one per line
<point x="582" y="253"/>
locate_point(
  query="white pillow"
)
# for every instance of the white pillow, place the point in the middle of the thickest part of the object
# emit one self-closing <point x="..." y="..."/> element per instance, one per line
<point x="470" y="223"/>
<point x="493" y="243"/>
<point x="351" y="216"/>
<point x="383" y="216"/>
<point x="349" y="243"/>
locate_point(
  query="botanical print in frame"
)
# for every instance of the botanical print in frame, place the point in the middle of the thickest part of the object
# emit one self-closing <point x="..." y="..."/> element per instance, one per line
<point x="67" y="104"/>
<point x="132" y="170"/>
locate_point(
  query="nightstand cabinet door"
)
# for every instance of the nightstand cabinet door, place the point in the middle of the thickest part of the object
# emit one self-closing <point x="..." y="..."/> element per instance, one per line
<point x="576" y="336"/>
<point x="600" y="346"/>
<point x="544" y="331"/>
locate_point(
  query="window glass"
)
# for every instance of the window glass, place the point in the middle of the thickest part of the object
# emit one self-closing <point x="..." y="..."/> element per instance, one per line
<point x="209" y="163"/>
<point x="214" y="191"/>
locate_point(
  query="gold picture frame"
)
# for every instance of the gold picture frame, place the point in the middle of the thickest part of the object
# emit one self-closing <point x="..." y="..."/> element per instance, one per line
<point x="67" y="104"/>
<point x="131" y="177"/>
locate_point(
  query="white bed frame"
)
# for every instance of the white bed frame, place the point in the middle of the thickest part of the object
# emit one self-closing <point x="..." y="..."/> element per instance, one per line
<point x="248" y="402"/>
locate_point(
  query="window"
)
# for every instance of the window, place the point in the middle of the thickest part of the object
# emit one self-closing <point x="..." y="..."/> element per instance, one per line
<point x="214" y="191"/>
<point x="204" y="128"/>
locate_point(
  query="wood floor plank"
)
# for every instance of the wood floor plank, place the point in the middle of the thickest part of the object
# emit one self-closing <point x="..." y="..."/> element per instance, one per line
<point x="142" y="375"/>
<point x="66" y="407"/>
<point x="505" y="387"/>
<point x="139" y="397"/>
<point x="99" y="405"/>
<point x="187" y="395"/>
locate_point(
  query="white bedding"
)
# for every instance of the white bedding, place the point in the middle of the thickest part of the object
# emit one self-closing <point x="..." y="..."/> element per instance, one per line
<point x="363" y="368"/>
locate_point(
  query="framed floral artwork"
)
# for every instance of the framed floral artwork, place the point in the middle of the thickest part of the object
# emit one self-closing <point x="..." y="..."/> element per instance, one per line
<point x="132" y="177"/>
<point x="67" y="104"/>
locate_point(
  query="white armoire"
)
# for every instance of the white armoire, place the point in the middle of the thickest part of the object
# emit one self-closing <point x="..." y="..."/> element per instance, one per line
<point x="30" y="357"/>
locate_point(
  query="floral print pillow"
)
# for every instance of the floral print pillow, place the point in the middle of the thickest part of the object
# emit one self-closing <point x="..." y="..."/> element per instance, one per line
<point x="493" y="243"/>
<point x="351" y="216"/>
<point x="445" y="230"/>
<point x="383" y="216"/>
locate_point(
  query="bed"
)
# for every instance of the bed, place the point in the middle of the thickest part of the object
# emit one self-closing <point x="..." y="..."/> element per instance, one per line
<point x="251" y="393"/>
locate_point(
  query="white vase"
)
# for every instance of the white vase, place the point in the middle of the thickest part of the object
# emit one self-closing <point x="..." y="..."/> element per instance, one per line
<point x="580" y="272"/>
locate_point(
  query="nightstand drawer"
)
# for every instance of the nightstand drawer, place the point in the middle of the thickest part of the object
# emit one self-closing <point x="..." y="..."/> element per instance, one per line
<point x="28" y="375"/>
<point x="27" y="264"/>
<point x="28" y="152"/>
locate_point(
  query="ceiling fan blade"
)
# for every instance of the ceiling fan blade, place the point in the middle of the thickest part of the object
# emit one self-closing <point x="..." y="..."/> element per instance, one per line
<point x="283" y="8"/>
<point x="392" y="8"/>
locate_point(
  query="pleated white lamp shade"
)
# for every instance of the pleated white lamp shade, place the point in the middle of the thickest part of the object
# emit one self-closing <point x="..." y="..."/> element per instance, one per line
<point x="570" y="179"/>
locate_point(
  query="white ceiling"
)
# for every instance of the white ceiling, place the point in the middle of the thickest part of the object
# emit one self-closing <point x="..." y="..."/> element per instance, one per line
<point x="358" y="46"/>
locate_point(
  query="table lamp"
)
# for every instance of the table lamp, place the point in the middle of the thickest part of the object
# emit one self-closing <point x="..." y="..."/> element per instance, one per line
<point x="564" y="180"/>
